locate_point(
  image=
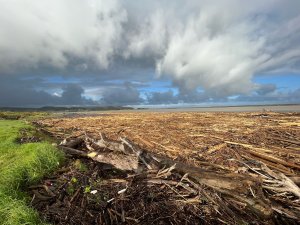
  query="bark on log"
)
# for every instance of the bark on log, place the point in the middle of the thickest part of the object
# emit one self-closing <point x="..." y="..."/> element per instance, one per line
<point x="125" y="155"/>
<point x="73" y="143"/>
<point x="253" y="151"/>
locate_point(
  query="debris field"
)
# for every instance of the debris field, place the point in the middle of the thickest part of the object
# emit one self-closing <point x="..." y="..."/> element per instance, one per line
<point x="173" y="168"/>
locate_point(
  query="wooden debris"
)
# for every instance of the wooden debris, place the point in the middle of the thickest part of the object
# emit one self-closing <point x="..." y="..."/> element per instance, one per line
<point x="177" y="169"/>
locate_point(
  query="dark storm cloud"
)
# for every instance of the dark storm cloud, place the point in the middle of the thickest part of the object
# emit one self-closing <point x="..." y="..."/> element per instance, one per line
<point x="15" y="92"/>
<point x="167" y="97"/>
<point x="122" y="95"/>
<point x="266" y="89"/>
<point x="294" y="96"/>
<point x="20" y="96"/>
<point x="265" y="93"/>
<point x="182" y="97"/>
<point x="72" y="95"/>
<point x="215" y="46"/>
<point x="271" y="94"/>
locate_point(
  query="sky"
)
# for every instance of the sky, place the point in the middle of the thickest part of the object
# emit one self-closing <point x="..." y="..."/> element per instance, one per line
<point x="149" y="53"/>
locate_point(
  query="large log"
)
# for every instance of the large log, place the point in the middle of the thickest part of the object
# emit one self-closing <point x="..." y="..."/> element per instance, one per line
<point x="258" y="152"/>
<point x="119" y="161"/>
<point x="125" y="155"/>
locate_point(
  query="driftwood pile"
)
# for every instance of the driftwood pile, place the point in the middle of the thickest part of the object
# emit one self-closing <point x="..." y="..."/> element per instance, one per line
<point x="114" y="182"/>
<point x="27" y="136"/>
<point x="194" y="138"/>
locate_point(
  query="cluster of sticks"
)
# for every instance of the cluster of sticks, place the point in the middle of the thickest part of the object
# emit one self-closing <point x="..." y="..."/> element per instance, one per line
<point x="151" y="197"/>
<point x="26" y="136"/>
<point x="253" y="193"/>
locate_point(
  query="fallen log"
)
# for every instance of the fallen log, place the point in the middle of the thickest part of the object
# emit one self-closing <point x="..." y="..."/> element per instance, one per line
<point x="296" y="180"/>
<point x="231" y="185"/>
<point x="73" y="151"/>
<point x="287" y="140"/>
<point x="105" y="144"/>
<point x="119" y="161"/>
<point x="241" y="189"/>
<point x="253" y="151"/>
<point x="73" y="143"/>
<point x="280" y="182"/>
<point x="275" y="166"/>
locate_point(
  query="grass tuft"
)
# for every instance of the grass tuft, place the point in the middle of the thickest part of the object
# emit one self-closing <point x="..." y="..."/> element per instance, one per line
<point x="21" y="166"/>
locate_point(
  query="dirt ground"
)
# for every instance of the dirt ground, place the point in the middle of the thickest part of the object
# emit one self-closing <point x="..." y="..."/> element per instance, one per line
<point x="233" y="146"/>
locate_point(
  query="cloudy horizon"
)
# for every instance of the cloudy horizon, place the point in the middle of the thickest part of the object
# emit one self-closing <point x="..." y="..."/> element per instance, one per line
<point x="117" y="52"/>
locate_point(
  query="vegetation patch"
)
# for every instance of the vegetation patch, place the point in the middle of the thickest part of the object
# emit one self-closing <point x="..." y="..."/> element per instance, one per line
<point x="8" y="115"/>
<point x="28" y="135"/>
<point x="21" y="165"/>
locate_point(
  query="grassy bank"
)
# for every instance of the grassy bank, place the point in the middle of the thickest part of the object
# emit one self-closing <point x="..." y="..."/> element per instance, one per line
<point x="7" y="115"/>
<point x="20" y="166"/>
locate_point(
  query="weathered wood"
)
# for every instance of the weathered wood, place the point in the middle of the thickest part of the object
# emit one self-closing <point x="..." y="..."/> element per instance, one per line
<point x="232" y="185"/>
<point x="254" y="151"/>
<point x="280" y="183"/>
<point x="72" y="151"/>
<point x="296" y="180"/>
<point x="119" y="161"/>
<point x="72" y="143"/>
<point x="288" y="141"/>
<point x="106" y="144"/>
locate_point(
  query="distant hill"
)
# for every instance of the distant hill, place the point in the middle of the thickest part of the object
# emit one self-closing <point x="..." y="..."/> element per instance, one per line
<point x="64" y="109"/>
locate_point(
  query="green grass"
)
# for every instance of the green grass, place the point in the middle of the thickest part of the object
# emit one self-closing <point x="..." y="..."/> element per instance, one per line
<point x="21" y="166"/>
<point x="23" y="115"/>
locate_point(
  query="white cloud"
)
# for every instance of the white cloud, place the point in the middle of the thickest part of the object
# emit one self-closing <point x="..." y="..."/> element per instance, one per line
<point x="222" y="61"/>
<point x="51" y="32"/>
<point x="218" y="46"/>
<point x="149" y="39"/>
